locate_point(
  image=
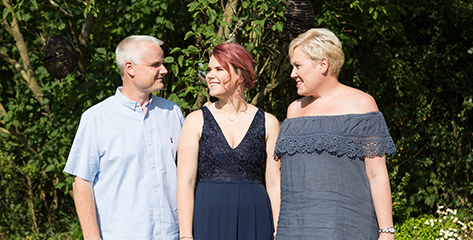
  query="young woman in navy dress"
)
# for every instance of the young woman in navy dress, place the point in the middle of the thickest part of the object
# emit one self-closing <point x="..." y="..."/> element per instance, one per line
<point x="226" y="149"/>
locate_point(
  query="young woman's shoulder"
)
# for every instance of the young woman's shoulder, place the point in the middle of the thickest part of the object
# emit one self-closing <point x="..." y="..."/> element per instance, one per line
<point x="194" y="118"/>
<point x="191" y="130"/>
<point x="194" y="115"/>
<point x="270" y="119"/>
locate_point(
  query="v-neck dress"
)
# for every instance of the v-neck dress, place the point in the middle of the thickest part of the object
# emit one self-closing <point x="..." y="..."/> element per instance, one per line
<point x="325" y="192"/>
<point x="231" y="201"/>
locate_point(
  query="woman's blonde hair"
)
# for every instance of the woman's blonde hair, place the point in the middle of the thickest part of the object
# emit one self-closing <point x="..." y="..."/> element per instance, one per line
<point x="318" y="43"/>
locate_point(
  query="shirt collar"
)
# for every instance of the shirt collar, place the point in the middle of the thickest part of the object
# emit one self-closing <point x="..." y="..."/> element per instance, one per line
<point x="135" y="106"/>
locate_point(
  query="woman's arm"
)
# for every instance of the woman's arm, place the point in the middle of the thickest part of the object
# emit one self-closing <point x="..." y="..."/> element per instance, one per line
<point x="273" y="167"/>
<point x="187" y="160"/>
<point x="378" y="177"/>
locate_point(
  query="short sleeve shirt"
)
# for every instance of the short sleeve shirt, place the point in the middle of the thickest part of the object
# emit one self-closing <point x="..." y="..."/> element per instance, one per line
<point x="131" y="159"/>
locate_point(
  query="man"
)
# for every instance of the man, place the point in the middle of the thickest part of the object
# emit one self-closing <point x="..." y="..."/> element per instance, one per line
<point x="123" y="155"/>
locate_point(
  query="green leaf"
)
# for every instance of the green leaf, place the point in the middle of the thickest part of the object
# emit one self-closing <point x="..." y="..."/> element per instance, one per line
<point x="375" y="15"/>
<point x="245" y="4"/>
<point x="60" y="185"/>
<point x="174" y="50"/>
<point x="5" y="13"/>
<point x="175" y="69"/>
<point x="226" y="24"/>
<point x="359" y="7"/>
<point x="101" y="50"/>
<point x="164" y="6"/>
<point x="50" y="168"/>
<point x="212" y="15"/>
<point x="265" y="7"/>
<point x="17" y="14"/>
<point x="192" y="6"/>
<point x="280" y="26"/>
<point x="169" y="25"/>
<point x="259" y="22"/>
<point x="193" y="49"/>
<point x="169" y="59"/>
<point x="35" y="4"/>
<point x="188" y="35"/>
<point x="257" y="30"/>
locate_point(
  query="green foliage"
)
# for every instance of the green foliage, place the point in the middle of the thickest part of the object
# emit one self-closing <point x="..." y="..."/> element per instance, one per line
<point x="413" y="57"/>
<point x="446" y="225"/>
<point x="426" y="93"/>
<point x="401" y="209"/>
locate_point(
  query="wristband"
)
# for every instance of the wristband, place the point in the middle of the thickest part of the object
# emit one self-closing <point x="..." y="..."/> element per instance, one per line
<point x="389" y="230"/>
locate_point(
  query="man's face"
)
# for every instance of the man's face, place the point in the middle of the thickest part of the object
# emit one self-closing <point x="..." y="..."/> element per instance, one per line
<point x="149" y="72"/>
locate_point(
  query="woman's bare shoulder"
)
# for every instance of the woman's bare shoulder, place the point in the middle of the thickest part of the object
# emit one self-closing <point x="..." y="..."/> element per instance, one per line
<point x="295" y="107"/>
<point x="194" y="118"/>
<point x="359" y="101"/>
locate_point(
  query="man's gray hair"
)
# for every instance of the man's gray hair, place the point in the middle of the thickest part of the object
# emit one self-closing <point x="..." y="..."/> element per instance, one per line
<point x="132" y="48"/>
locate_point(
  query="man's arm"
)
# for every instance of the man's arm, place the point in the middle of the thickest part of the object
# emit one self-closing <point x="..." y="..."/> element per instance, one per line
<point x="85" y="205"/>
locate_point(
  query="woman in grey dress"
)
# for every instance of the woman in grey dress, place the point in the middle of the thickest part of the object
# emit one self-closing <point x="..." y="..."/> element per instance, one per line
<point x="332" y="147"/>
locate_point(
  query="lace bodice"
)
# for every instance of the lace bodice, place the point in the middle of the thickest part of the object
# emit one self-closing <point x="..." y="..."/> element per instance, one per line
<point x="219" y="162"/>
<point x="353" y="135"/>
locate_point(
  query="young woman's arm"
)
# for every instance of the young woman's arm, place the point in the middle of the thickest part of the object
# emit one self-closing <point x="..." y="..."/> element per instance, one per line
<point x="187" y="159"/>
<point x="273" y="167"/>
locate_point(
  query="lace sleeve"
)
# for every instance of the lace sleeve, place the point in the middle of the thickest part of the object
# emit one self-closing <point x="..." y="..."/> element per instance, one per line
<point x="353" y="135"/>
<point x="337" y="145"/>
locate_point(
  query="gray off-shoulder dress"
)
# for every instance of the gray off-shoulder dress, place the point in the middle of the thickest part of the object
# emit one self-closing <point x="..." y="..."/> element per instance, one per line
<point x="325" y="193"/>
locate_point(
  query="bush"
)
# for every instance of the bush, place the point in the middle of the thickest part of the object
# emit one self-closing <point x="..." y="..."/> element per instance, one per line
<point x="446" y="226"/>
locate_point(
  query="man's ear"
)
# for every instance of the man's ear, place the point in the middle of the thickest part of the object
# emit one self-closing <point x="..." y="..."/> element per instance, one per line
<point x="324" y="66"/>
<point x="130" y="68"/>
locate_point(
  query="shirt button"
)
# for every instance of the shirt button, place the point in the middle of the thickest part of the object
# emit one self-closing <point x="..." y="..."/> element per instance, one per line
<point x="157" y="214"/>
<point x="155" y="190"/>
<point x="149" y="143"/>
<point x="152" y="166"/>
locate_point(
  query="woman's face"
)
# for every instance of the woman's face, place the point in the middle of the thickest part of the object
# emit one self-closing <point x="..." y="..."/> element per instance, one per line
<point x="305" y="72"/>
<point x="219" y="80"/>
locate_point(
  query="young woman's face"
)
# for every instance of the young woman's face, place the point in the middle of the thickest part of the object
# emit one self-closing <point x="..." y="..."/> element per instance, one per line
<point x="219" y="80"/>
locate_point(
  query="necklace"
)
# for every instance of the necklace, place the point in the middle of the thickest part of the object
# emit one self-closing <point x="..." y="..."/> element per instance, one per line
<point x="231" y="120"/>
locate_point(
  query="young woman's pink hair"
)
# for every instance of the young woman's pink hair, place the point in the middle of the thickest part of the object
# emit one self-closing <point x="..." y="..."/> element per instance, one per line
<point x="239" y="58"/>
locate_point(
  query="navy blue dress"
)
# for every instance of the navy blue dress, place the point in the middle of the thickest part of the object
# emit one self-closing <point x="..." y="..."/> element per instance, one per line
<point x="231" y="202"/>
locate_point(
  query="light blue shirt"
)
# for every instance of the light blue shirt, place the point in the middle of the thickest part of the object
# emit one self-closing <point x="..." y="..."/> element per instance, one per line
<point x="131" y="159"/>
